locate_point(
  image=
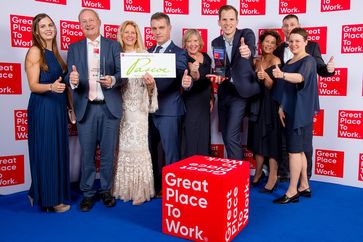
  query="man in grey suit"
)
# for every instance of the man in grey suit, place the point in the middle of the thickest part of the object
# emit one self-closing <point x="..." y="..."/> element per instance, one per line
<point x="94" y="76"/>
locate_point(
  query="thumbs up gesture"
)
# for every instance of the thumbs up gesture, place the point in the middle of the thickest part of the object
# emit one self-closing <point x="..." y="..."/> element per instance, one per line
<point x="261" y="74"/>
<point x="186" y="80"/>
<point x="74" y="76"/>
<point x="330" y="65"/>
<point x="244" y="50"/>
<point x="57" y="86"/>
<point x="277" y="73"/>
<point x="194" y="69"/>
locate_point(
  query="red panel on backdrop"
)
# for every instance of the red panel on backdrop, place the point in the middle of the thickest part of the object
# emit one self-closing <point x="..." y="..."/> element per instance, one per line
<point x="70" y="32"/>
<point x="211" y="7"/>
<point x="21" y="31"/>
<point x="149" y="40"/>
<point x="318" y="34"/>
<point x="176" y="6"/>
<point x="63" y="2"/>
<point x="21" y="124"/>
<point x="292" y="6"/>
<point x="318" y="124"/>
<point x="110" y="31"/>
<point x="98" y="4"/>
<point x="329" y="163"/>
<point x="350" y="124"/>
<point x="138" y="6"/>
<point x="248" y="7"/>
<point x="11" y="170"/>
<point x="334" y="5"/>
<point x="352" y="38"/>
<point x="10" y="78"/>
<point x="335" y="85"/>
<point x="204" y="34"/>
<point x="360" y="168"/>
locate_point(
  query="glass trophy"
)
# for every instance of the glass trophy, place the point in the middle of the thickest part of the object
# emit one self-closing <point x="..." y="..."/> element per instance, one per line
<point x="219" y="55"/>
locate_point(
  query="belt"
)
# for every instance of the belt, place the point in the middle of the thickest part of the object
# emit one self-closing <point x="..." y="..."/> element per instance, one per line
<point x="96" y="102"/>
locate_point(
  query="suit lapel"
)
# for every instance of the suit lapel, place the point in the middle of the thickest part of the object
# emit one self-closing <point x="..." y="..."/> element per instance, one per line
<point x="170" y="48"/>
<point x="103" y="51"/>
<point x="236" y="44"/>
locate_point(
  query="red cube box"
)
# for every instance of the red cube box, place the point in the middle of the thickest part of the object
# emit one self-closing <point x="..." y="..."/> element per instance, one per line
<point x="205" y="198"/>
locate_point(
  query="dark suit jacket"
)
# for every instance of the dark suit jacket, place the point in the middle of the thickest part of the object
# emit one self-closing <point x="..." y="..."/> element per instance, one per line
<point x="313" y="49"/>
<point x="110" y="63"/>
<point x="239" y="68"/>
<point x="169" y="98"/>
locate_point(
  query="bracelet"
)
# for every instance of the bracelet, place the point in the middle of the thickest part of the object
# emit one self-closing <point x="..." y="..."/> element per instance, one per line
<point x="283" y="75"/>
<point x="51" y="87"/>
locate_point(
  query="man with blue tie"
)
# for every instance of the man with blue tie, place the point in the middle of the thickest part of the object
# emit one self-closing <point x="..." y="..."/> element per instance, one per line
<point x="94" y="77"/>
<point x="165" y="123"/>
<point x="238" y="89"/>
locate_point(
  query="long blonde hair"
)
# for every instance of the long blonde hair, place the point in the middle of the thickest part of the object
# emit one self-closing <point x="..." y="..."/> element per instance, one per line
<point x="139" y="45"/>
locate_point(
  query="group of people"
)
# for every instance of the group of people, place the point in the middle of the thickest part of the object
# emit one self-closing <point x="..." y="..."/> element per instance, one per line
<point x="129" y="118"/>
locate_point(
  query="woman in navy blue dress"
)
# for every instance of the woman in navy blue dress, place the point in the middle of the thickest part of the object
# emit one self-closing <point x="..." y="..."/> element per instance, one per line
<point x="47" y="119"/>
<point x="198" y="101"/>
<point x="297" y="93"/>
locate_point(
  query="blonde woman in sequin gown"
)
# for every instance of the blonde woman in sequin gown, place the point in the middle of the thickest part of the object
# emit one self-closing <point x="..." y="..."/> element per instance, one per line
<point x="133" y="170"/>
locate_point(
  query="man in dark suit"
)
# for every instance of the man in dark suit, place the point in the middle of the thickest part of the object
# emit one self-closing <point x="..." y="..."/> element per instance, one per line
<point x="165" y="123"/>
<point x="239" y="86"/>
<point x="290" y="22"/>
<point x="95" y="79"/>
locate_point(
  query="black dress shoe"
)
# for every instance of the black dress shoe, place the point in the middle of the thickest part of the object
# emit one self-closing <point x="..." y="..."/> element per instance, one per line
<point x="108" y="200"/>
<point x="255" y="184"/>
<point x="285" y="199"/>
<point x="305" y="193"/>
<point x="265" y="190"/>
<point x="86" y="204"/>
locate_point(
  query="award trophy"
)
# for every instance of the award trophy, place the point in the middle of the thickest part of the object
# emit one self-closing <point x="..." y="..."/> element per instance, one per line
<point x="219" y="56"/>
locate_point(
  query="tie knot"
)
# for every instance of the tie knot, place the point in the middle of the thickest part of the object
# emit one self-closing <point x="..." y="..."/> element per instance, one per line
<point x="158" y="48"/>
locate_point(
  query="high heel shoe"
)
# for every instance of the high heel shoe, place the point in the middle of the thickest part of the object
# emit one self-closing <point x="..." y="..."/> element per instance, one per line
<point x="255" y="184"/>
<point x="61" y="208"/>
<point x="285" y="199"/>
<point x="31" y="200"/>
<point x="266" y="190"/>
<point x="305" y="193"/>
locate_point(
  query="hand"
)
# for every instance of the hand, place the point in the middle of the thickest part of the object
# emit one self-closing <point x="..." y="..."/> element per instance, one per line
<point x="194" y="70"/>
<point x="215" y="78"/>
<point x="106" y="81"/>
<point x="148" y="79"/>
<point x="330" y="65"/>
<point x="261" y="74"/>
<point x="186" y="80"/>
<point x="282" y="116"/>
<point x="74" y="76"/>
<point x="57" y="86"/>
<point x="277" y="73"/>
<point x="244" y="50"/>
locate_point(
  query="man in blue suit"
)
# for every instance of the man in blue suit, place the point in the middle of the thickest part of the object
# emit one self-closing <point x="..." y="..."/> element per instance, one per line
<point x="238" y="89"/>
<point x="165" y="123"/>
<point x="95" y="80"/>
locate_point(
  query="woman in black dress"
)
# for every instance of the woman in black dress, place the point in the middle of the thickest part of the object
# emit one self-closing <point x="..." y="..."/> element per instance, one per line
<point x="198" y="101"/>
<point x="297" y="93"/>
<point x="264" y="134"/>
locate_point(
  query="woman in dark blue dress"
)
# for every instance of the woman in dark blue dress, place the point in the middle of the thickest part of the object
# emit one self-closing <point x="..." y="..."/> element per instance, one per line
<point x="297" y="93"/>
<point x="198" y="101"/>
<point x="47" y="119"/>
<point x="264" y="134"/>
